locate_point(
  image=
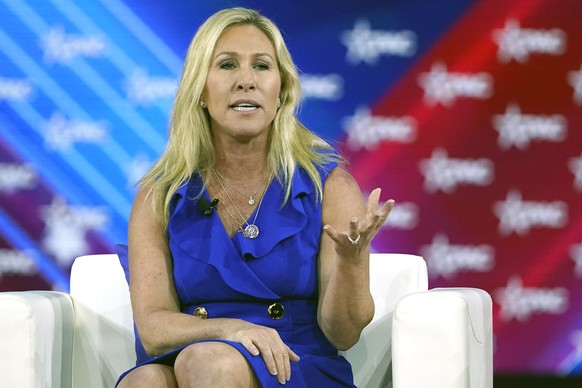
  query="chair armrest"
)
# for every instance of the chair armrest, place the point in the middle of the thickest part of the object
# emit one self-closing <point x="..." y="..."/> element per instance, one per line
<point x="443" y="338"/>
<point x="37" y="339"/>
<point x="370" y="357"/>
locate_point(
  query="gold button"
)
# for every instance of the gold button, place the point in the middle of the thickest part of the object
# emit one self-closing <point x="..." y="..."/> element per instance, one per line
<point x="200" y="312"/>
<point x="276" y="311"/>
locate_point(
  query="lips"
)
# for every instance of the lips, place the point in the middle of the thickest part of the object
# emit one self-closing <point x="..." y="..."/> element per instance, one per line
<point x="245" y="106"/>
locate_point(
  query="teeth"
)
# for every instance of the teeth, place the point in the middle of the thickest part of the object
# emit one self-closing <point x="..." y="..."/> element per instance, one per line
<point x="244" y="108"/>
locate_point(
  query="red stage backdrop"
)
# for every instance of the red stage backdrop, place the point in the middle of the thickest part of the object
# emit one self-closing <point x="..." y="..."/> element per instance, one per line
<point x="480" y="143"/>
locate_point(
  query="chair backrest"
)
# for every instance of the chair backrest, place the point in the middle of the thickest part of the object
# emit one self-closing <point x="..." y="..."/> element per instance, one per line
<point x="104" y="339"/>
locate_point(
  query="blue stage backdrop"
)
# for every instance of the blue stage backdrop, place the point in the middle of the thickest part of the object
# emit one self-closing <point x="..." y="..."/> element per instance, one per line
<point x="467" y="112"/>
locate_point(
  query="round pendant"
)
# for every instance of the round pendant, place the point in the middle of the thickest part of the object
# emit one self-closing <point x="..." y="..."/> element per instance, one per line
<point x="251" y="201"/>
<point x="251" y="231"/>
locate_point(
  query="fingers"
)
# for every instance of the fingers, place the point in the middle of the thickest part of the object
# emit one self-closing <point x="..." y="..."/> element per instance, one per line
<point x="278" y="361"/>
<point x="354" y="233"/>
<point x="373" y="200"/>
<point x="378" y="216"/>
<point x="276" y="355"/>
<point x="250" y="346"/>
<point x="292" y="355"/>
<point x="331" y="232"/>
<point x="367" y="227"/>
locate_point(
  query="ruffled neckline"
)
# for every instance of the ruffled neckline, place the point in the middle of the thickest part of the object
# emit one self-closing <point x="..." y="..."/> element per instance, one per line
<point x="205" y="239"/>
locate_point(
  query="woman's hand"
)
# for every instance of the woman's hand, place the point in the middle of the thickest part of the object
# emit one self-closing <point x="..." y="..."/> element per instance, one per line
<point x="266" y="342"/>
<point x="361" y="232"/>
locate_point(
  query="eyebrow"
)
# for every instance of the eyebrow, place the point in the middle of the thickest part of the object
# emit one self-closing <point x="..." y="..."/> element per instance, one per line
<point x="235" y="54"/>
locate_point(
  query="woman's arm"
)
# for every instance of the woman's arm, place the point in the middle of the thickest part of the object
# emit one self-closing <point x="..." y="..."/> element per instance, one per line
<point x="345" y="302"/>
<point x="153" y="296"/>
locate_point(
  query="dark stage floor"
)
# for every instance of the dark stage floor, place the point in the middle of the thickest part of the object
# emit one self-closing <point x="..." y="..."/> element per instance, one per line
<point x="519" y="381"/>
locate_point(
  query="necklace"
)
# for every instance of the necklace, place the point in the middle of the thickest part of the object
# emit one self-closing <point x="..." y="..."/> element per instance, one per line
<point x="250" y="231"/>
<point x="251" y="200"/>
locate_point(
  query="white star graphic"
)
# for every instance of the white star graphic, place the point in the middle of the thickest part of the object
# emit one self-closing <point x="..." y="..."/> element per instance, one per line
<point x="360" y="44"/>
<point x="575" y="80"/>
<point x="508" y="212"/>
<point x="576" y="254"/>
<point x="367" y="45"/>
<point x="507" y="40"/>
<point x="576" y="168"/>
<point x="436" y="172"/>
<point x="510" y="128"/>
<point x="436" y="85"/>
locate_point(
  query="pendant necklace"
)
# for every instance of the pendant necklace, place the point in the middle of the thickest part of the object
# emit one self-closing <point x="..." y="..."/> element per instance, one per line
<point x="250" y="231"/>
<point x="251" y="200"/>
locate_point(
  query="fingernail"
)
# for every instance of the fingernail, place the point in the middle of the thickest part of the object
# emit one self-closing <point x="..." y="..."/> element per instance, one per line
<point x="273" y="372"/>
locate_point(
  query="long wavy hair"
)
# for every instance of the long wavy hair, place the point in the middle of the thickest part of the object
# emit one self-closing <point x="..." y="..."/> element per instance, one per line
<point x="190" y="148"/>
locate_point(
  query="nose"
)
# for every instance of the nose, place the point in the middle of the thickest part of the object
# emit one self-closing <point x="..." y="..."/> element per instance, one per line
<point x="246" y="80"/>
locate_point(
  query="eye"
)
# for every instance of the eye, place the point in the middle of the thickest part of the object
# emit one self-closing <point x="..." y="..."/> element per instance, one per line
<point x="261" y="66"/>
<point x="227" y="65"/>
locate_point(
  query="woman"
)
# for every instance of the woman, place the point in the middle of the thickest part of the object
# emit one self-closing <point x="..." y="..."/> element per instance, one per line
<point x="248" y="244"/>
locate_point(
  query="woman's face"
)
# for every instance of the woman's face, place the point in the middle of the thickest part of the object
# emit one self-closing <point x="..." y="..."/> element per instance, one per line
<point x="243" y="84"/>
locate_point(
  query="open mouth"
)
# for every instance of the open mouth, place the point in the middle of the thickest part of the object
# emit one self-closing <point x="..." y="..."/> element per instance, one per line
<point x="244" y="107"/>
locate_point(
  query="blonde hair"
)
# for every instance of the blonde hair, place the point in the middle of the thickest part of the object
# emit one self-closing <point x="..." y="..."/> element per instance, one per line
<point x="190" y="148"/>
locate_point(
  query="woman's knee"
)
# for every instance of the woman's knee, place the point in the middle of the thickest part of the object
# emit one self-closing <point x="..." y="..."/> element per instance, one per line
<point x="151" y="375"/>
<point x="213" y="361"/>
<point x="207" y="357"/>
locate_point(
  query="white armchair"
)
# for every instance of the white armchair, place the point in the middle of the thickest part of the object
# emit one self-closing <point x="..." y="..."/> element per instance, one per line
<point x="440" y="338"/>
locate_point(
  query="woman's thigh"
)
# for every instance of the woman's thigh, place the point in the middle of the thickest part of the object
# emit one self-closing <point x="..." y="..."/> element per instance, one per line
<point x="150" y="375"/>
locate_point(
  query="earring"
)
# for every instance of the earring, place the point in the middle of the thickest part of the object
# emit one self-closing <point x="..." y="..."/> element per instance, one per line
<point x="278" y="102"/>
<point x="202" y="104"/>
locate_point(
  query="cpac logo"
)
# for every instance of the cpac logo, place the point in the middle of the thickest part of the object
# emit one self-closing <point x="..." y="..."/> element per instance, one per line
<point x="144" y="89"/>
<point x="323" y="87"/>
<point x="61" y="134"/>
<point x="14" y="177"/>
<point x="62" y="48"/>
<point x="446" y="260"/>
<point x="13" y="262"/>
<point x="443" y="87"/>
<point x="366" y="131"/>
<point x="66" y="226"/>
<point x="575" y="80"/>
<point x="403" y="216"/>
<point x="366" y="45"/>
<point x="576" y="168"/>
<point x="519" y="216"/>
<point x="518" y="43"/>
<point x="576" y="255"/>
<point x="14" y="89"/>
<point x="445" y="174"/>
<point x="518" y="130"/>
<point x="520" y="303"/>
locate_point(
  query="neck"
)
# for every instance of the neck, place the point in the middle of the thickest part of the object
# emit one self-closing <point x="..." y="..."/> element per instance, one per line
<point x="241" y="162"/>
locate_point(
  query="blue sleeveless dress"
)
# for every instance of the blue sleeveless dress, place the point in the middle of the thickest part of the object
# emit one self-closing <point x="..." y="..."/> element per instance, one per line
<point x="270" y="280"/>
